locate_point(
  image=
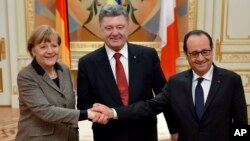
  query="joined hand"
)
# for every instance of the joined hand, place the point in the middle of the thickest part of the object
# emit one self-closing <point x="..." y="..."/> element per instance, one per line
<point x="100" y="113"/>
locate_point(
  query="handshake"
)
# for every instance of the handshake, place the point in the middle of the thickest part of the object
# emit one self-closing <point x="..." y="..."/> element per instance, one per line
<point x="100" y="113"/>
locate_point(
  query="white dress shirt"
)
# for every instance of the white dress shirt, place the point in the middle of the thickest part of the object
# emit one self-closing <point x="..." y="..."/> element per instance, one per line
<point x="123" y="59"/>
<point x="206" y="83"/>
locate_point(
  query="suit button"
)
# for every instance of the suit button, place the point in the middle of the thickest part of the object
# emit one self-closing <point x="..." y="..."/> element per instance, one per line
<point x="64" y="105"/>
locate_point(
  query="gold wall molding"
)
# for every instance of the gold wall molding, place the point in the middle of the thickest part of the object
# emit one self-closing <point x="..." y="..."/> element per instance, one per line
<point x="192" y="14"/>
<point x="91" y="46"/>
<point x="245" y="76"/>
<point x="79" y="49"/>
<point x="235" y="57"/>
<point x="1" y="80"/>
<point x="2" y="49"/>
<point x="225" y="36"/>
<point x="29" y="16"/>
<point x="2" y="56"/>
<point x="226" y="30"/>
<point x="231" y="56"/>
<point x="23" y="61"/>
<point x="230" y="37"/>
<point x="225" y="55"/>
<point x="14" y="90"/>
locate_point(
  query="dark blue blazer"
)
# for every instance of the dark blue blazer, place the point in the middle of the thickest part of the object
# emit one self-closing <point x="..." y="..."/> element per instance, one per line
<point x="224" y="107"/>
<point x="96" y="83"/>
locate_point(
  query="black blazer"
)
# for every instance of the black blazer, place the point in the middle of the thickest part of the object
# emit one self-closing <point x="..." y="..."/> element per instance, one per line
<point x="96" y="83"/>
<point x="225" y="106"/>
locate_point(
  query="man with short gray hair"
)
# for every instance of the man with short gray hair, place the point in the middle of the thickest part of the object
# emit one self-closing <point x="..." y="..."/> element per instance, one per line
<point x="119" y="74"/>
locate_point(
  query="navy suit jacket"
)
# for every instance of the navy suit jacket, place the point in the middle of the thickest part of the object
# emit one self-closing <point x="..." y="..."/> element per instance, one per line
<point x="96" y="83"/>
<point x="224" y="107"/>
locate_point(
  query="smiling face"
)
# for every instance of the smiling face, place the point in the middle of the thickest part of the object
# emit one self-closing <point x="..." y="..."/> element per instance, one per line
<point x="203" y="62"/>
<point x="46" y="53"/>
<point x="43" y="45"/>
<point x="115" y="31"/>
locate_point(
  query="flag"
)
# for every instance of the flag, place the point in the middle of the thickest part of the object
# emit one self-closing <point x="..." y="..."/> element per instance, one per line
<point x="63" y="30"/>
<point x="169" y="37"/>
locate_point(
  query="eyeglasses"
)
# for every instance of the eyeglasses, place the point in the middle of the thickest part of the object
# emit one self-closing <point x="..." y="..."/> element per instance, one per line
<point x="195" y="54"/>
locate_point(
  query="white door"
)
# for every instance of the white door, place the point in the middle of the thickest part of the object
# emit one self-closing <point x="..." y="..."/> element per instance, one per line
<point x="5" y="95"/>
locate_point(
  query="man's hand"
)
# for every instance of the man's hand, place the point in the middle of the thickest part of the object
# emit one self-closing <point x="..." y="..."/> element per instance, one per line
<point x="97" y="117"/>
<point x="97" y="107"/>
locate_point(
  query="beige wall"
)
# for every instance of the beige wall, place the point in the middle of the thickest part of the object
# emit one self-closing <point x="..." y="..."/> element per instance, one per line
<point x="228" y="21"/>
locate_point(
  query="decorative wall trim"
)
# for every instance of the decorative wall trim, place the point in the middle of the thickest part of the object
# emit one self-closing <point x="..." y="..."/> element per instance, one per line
<point x="2" y="49"/>
<point x="224" y="55"/>
<point x="2" y="57"/>
<point x="1" y="80"/>
<point x="226" y="32"/>
<point x="29" y="16"/>
<point x="192" y="14"/>
<point x="235" y="57"/>
<point x="245" y="76"/>
<point x="228" y="56"/>
<point x="79" y="49"/>
<point x="91" y="46"/>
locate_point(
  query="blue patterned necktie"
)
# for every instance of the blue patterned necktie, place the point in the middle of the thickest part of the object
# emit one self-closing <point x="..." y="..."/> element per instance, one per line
<point x="199" y="98"/>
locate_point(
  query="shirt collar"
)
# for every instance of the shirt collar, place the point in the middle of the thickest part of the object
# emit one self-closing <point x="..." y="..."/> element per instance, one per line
<point x="207" y="76"/>
<point x="123" y="51"/>
<point x="40" y="70"/>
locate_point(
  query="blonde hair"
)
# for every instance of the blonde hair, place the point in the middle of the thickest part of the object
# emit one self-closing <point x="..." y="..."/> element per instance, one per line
<point x="42" y="33"/>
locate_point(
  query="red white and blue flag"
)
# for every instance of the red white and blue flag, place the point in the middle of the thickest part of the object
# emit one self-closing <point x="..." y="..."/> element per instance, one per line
<point x="169" y="37"/>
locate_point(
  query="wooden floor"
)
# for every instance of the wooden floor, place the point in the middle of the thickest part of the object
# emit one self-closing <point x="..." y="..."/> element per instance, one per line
<point x="8" y="123"/>
<point x="9" y="118"/>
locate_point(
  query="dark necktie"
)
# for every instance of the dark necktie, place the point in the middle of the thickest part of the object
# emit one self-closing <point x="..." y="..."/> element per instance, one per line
<point x="199" y="98"/>
<point x="121" y="79"/>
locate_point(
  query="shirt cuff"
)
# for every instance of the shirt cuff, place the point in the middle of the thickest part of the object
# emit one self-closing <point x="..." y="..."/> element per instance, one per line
<point x="115" y="114"/>
<point x="83" y="115"/>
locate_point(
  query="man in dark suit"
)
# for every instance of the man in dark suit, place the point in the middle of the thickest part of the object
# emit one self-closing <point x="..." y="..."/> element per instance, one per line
<point x="98" y="80"/>
<point x="190" y="117"/>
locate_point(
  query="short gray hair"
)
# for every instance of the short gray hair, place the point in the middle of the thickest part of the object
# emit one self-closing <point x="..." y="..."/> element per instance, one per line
<point x="111" y="10"/>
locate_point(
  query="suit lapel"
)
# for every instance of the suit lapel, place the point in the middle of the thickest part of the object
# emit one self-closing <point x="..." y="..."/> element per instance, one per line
<point x="51" y="83"/>
<point x="215" y="84"/>
<point x="62" y="81"/>
<point x="188" y="92"/>
<point x="134" y="69"/>
<point x="39" y="70"/>
<point x="106" y="75"/>
<point x="216" y="81"/>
